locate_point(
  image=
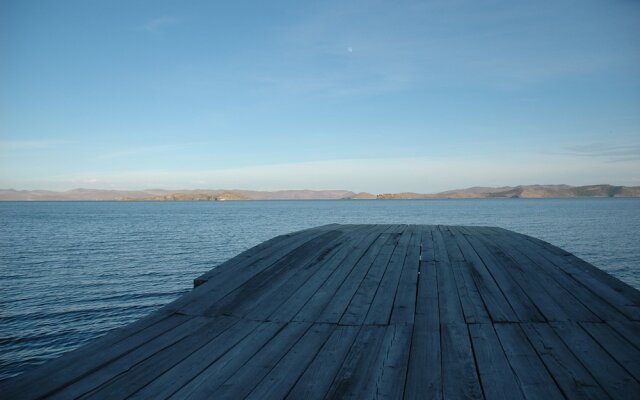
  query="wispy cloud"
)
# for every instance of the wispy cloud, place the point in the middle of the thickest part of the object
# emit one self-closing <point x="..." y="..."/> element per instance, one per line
<point x="158" y="23"/>
<point x="607" y="151"/>
<point x="419" y="174"/>
<point x="142" y="151"/>
<point x="34" y="144"/>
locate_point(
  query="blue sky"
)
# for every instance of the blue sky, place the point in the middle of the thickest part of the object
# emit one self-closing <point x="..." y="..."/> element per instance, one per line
<point x="363" y="95"/>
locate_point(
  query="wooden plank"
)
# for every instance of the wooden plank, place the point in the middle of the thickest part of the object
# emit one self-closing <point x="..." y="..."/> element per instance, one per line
<point x="424" y="374"/>
<point x="551" y="298"/>
<point x="618" y="293"/>
<point x="232" y="276"/>
<point x="573" y="379"/>
<point x="317" y="378"/>
<point x="404" y="304"/>
<point x="318" y="290"/>
<point x="317" y="268"/>
<point x="615" y="292"/>
<point x="264" y="287"/>
<point x="186" y="370"/>
<point x="472" y="304"/>
<point x="357" y="309"/>
<point x="535" y="381"/>
<point x="353" y="376"/>
<point x="388" y="378"/>
<point x="448" y="296"/>
<point x="122" y="364"/>
<point x="617" y="382"/>
<point x="490" y="290"/>
<point x="143" y="373"/>
<point x="248" y="256"/>
<point x="58" y="373"/>
<point x="260" y="251"/>
<point x="617" y="346"/>
<point x="496" y="375"/>
<point x="381" y="306"/>
<point x="427" y="248"/>
<point x="459" y="372"/>
<point x="257" y="289"/>
<point x="630" y="330"/>
<point x="244" y="380"/>
<point x="579" y="291"/>
<point x="332" y="299"/>
<point x="517" y="298"/>
<point x="280" y="380"/>
<point x="221" y="369"/>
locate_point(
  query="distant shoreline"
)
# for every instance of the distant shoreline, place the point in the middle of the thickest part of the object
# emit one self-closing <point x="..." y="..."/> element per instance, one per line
<point x="323" y="200"/>
<point x="160" y="195"/>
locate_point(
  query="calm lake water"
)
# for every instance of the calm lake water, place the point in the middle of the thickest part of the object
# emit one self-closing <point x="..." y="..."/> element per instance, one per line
<point x="71" y="271"/>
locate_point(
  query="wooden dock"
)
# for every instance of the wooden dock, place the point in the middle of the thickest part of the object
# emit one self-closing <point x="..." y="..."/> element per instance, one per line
<point x="372" y="311"/>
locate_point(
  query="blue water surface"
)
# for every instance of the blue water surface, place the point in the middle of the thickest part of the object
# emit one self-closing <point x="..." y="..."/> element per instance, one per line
<point x="71" y="271"/>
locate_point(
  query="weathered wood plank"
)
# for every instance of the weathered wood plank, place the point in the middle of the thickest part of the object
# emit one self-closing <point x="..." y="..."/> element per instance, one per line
<point x="496" y="375"/>
<point x="357" y="243"/>
<point x="285" y="300"/>
<point x="535" y="381"/>
<point x="428" y="251"/>
<point x="472" y="304"/>
<point x="192" y="366"/>
<point x="424" y="374"/>
<point x="617" y="382"/>
<point x="353" y="376"/>
<point x="208" y="380"/>
<point x="586" y="297"/>
<point x="497" y="305"/>
<point x="513" y="293"/>
<point x="280" y="380"/>
<point x="404" y="305"/>
<point x="319" y="375"/>
<point x="574" y="380"/>
<point x="259" y="252"/>
<point x="357" y="309"/>
<point x="459" y="371"/>
<point x="122" y="364"/>
<point x="619" y="348"/>
<point x="615" y="292"/>
<point x="388" y="376"/>
<point x="235" y="275"/>
<point x="381" y="305"/>
<point x="551" y="298"/>
<point x="448" y="296"/>
<point x="331" y="300"/>
<point x="258" y="289"/>
<point x="630" y="330"/>
<point x="244" y="380"/>
<point x="141" y="374"/>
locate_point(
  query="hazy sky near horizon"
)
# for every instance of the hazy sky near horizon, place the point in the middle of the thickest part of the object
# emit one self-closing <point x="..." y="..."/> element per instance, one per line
<point x="375" y="96"/>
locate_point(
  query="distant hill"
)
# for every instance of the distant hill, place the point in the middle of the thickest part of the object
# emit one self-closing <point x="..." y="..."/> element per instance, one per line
<point x="193" y="197"/>
<point x="361" y="196"/>
<point x="523" y="191"/>
<point x="171" y="195"/>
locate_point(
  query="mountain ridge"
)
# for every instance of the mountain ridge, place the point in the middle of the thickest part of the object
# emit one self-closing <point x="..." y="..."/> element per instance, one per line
<point x="476" y="192"/>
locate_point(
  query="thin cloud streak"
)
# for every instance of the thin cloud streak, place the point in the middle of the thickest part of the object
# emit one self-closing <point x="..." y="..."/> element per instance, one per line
<point x="607" y="151"/>
<point x="143" y="150"/>
<point x="373" y="175"/>
<point x="35" y="144"/>
<point x="159" y="23"/>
